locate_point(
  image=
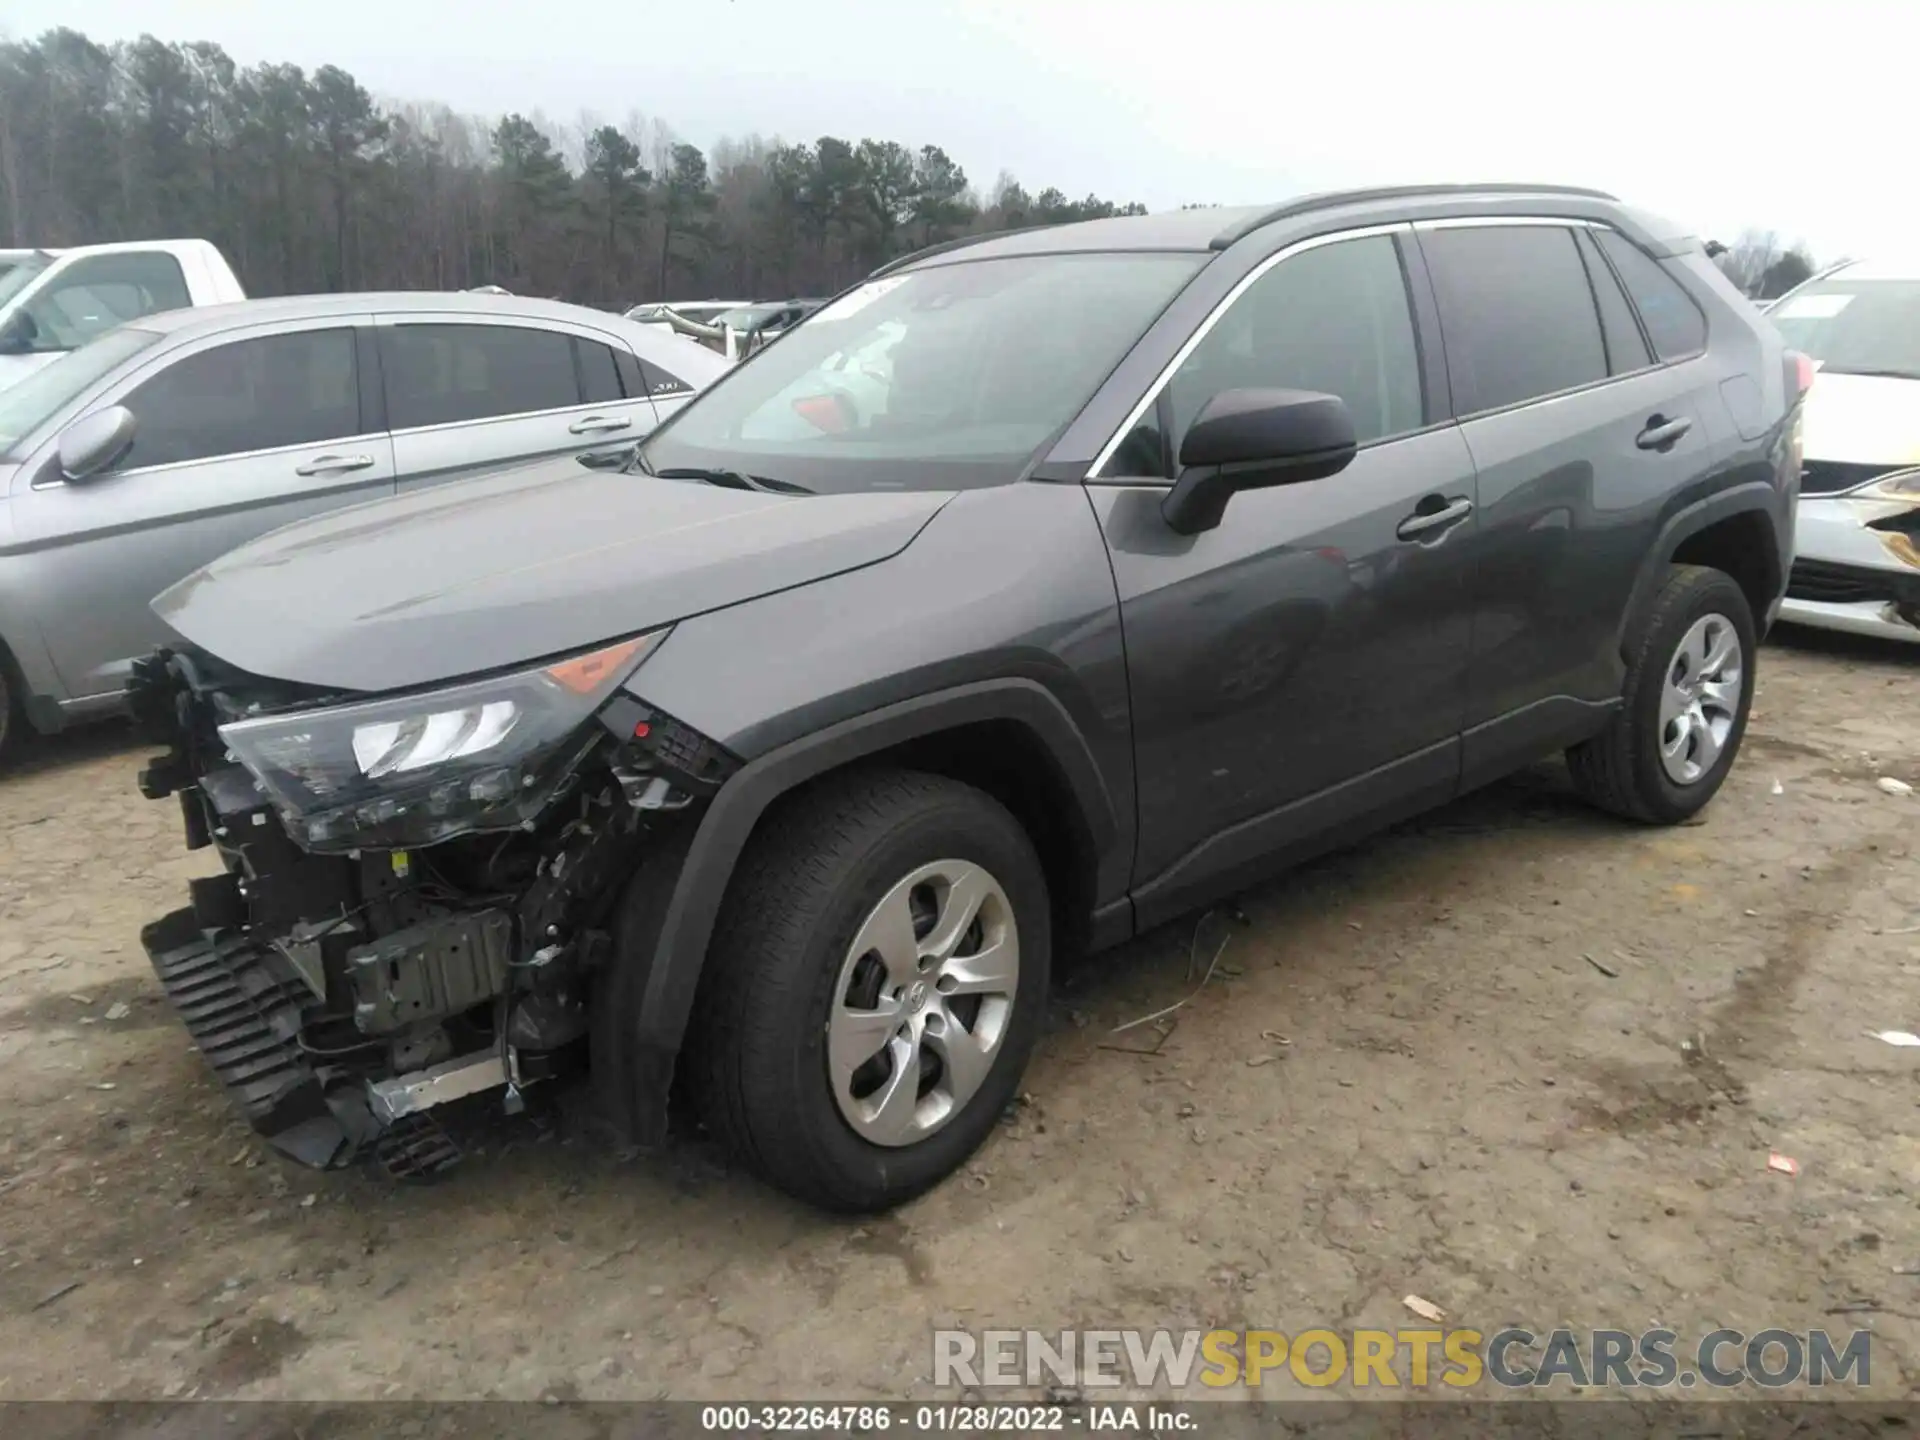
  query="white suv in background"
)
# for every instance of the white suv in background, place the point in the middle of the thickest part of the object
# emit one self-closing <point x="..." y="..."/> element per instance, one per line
<point x="1857" y="550"/>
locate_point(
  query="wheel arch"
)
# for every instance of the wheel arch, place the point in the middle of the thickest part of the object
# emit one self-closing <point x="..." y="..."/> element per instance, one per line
<point x="1009" y="737"/>
<point x="1736" y="531"/>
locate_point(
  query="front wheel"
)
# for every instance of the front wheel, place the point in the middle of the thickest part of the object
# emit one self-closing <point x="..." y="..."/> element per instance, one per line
<point x="1689" y="687"/>
<point x="874" y="989"/>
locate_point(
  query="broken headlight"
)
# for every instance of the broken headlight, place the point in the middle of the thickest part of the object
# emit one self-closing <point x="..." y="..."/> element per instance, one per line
<point x="415" y="769"/>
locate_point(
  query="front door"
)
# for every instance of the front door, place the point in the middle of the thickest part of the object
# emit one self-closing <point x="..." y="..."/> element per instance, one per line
<point x="1301" y="669"/>
<point x="234" y="437"/>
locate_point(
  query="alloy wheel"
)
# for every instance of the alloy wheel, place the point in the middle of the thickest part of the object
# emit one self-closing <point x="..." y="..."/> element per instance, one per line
<point x="1700" y="698"/>
<point x="923" y="1002"/>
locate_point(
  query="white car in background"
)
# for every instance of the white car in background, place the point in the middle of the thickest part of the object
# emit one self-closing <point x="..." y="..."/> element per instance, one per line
<point x="1857" y="549"/>
<point x="54" y="301"/>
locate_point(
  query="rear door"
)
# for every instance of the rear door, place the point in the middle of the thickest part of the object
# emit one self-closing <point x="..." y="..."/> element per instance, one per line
<point x="237" y="435"/>
<point x="466" y="394"/>
<point x="1580" y="437"/>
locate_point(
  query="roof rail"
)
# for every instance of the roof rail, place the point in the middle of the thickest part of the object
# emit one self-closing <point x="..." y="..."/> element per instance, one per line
<point x="1305" y="204"/>
<point x="959" y="242"/>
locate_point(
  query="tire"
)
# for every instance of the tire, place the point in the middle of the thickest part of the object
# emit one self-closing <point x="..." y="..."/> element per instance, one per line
<point x="1654" y="762"/>
<point x="784" y="998"/>
<point x="13" y="720"/>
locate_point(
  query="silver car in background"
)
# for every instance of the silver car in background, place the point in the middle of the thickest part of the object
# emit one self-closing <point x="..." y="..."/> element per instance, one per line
<point x="169" y="441"/>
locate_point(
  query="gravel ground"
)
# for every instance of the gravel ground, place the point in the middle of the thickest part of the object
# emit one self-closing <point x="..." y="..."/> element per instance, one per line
<point x="1516" y="1058"/>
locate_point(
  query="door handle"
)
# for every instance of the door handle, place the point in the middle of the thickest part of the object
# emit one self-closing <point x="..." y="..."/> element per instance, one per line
<point x="334" y="464"/>
<point x="594" y="424"/>
<point x="1429" y="522"/>
<point x="1662" y="433"/>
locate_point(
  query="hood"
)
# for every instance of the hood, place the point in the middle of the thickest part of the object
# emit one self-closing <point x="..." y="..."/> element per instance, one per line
<point x="15" y="368"/>
<point x="537" y="561"/>
<point x="1862" y="420"/>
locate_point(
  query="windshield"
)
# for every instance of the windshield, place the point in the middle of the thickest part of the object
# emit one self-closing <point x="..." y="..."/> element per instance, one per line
<point x="15" y="278"/>
<point x="1855" y="327"/>
<point x="29" y="404"/>
<point x="940" y="378"/>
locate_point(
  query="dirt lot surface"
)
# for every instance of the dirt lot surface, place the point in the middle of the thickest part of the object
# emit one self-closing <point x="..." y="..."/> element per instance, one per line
<point x="1406" y="1076"/>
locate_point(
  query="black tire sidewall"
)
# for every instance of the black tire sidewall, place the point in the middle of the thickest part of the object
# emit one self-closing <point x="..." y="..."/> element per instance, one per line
<point x="862" y="1173"/>
<point x="1708" y="592"/>
<point x="12" y="721"/>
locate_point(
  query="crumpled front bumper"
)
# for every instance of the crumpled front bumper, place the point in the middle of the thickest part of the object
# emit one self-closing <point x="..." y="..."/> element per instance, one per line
<point x="1850" y="574"/>
<point x="242" y="1003"/>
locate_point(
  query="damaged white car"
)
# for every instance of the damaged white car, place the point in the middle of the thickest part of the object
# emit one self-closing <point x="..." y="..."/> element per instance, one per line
<point x="1857" y="553"/>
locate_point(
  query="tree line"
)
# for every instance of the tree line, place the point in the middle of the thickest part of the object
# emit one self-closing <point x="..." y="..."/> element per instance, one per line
<point x="308" y="183"/>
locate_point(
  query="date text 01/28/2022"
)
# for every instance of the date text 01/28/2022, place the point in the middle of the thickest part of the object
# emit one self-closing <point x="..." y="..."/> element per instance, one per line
<point x="939" y="1419"/>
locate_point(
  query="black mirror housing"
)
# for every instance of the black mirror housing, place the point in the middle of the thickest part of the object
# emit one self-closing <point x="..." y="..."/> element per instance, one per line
<point x="1253" y="439"/>
<point x="96" y="442"/>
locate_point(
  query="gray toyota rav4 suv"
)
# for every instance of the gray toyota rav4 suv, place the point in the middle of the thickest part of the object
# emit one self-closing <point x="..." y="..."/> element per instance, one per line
<point x="1039" y="589"/>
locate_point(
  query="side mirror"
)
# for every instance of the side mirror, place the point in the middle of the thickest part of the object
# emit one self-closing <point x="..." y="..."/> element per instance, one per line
<point x="1253" y="439"/>
<point x="95" y="443"/>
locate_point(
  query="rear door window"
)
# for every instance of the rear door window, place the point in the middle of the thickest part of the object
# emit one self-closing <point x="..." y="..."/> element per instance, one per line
<point x="444" y="374"/>
<point x="1674" y="323"/>
<point x="265" y="394"/>
<point x="599" y="372"/>
<point x="1517" y="313"/>
<point x="1626" y="346"/>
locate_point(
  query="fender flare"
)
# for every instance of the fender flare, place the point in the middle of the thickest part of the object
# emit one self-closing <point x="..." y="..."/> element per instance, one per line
<point x="1751" y="497"/>
<point x="677" y="951"/>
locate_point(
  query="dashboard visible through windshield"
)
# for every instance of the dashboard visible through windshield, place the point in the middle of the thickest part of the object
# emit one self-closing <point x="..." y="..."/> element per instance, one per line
<point x="946" y="377"/>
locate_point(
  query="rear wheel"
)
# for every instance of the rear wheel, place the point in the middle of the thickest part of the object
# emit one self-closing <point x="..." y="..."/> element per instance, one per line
<point x="1684" y="712"/>
<point x="874" y="989"/>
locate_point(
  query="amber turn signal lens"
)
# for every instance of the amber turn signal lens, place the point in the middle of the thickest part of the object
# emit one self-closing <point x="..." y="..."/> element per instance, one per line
<point x="584" y="674"/>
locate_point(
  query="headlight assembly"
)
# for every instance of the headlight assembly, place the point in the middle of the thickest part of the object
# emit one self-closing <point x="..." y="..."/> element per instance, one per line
<point x="415" y="769"/>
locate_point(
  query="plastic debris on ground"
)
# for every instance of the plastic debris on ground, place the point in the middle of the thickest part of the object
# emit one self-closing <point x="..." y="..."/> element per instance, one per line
<point x="1905" y="1038"/>
<point x="1893" y="786"/>
<point x="1425" y="1309"/>
<point x="1785" y="1164"/>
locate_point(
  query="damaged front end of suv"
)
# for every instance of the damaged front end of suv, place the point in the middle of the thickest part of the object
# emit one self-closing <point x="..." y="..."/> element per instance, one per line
<point x="418" y="889"/>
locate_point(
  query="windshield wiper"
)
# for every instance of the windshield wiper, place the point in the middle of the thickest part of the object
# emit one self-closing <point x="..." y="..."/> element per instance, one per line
<point x="1884" y="374"/>
<point x="731" y="480"/>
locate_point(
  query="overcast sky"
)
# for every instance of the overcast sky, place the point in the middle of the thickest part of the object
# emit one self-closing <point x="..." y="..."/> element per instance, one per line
<point x="1724" y="115"/>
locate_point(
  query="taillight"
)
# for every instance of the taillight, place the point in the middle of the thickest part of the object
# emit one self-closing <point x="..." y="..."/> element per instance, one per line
<point x="1800" y="373"/>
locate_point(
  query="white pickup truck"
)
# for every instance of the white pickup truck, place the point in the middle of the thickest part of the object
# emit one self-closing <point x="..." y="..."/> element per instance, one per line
<point x="53" y="301"/>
